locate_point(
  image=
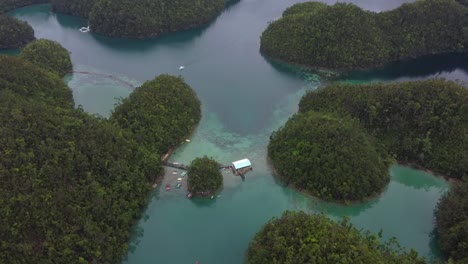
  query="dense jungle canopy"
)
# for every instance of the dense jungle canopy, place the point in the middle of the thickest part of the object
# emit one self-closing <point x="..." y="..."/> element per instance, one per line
<point x="149" y="18"/>
<point x="423" y="123"/>
<point x="452" y="222"/>
<point x="330" y="157"/>
<point x="160" y="114"/>
<point x="204" y="176"/>
<point x="296" y="238"/>
<point x="14" y="33"/>
<point x="72" y="184"/>
<point x="49" y="55"/>
<point x="346" y="37"/>
<point x="30" y="81"/>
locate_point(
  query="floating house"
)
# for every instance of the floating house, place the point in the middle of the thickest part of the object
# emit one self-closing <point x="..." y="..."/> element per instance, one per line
<point x="240" y="167"/>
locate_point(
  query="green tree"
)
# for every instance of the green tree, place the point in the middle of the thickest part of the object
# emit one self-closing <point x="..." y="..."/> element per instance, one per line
<point x="204" y="177"/>
<point x="150" y="18"/>
<point x="452" y="222"/>
<point x="297" y="238"/>
<point x="423" y="123"/>
<point x="49" y="55"/>
<point x="330" y="157"/>
<point x="80" y="8"/>
<point x="28" y="80"/>
<point x="345" y="37"/>
<point x="72" y="185"/>
<point x="14" y="33"/>
<point x="160" y="114"/>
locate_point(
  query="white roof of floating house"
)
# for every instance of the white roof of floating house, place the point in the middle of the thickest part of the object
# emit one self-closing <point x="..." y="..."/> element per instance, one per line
<point x="241" y="164"/>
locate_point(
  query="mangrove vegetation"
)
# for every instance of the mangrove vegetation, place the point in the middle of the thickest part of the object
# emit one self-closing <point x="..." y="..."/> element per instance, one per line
<point x="49" y="55"/>
<point x="296" y="238"/>
<point x="328" y="156"/>
<point x="14" y="33"/>
<point x="346" y="37"/>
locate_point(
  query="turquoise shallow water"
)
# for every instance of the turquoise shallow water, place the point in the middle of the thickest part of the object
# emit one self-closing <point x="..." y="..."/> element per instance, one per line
<point x="244" y="98"/>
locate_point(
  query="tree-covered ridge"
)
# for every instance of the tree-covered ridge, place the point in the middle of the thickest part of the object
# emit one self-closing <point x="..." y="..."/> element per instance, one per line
<point x="329" y="157"/>
<point x="80" y="8"/>
<point x="7" y="5"/>
<point x="72" y="185"/>
<point x="298" y="238"/>
<point x="421" y="122"/>
<point x="345" y="37"/>
<point x="160" y="113"/>
<point x="14" y="33"/>
<point x="49" y="55"/>
<point x="30" y="81"/>
<point x="452" y="222"/>
<point x="204" y="177"/>
<point x="148" y="18"/>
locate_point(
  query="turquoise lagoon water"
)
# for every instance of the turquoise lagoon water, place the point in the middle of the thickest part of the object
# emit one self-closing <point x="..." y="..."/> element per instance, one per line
<point x="244" y="98"/>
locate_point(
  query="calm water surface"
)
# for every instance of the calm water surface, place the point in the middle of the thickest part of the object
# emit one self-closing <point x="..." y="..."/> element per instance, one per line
<point x="244" y="98"/>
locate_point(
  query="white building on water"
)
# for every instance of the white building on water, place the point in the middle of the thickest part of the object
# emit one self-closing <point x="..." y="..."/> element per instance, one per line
<point x="240" y="167"/>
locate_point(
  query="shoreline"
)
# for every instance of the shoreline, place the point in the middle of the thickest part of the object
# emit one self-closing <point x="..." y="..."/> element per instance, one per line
<point x="277" y="178"/>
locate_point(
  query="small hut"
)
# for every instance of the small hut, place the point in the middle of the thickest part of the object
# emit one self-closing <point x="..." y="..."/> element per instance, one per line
<point x="240" y="167"/>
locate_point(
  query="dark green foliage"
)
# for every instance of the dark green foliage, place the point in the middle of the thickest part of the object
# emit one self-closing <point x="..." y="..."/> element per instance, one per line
<point x="28" y="80"/>
<point x="148" y="18"/>
<point x="160" y="113"/>
<point x="452" y="222"/>
<point x="298" y="238"/>
<point x="421" y="122"/>
<point x="72" y="185"/>
<point x="7" y="5"/>
<point x="80" y="8"/>
<point x="329" y="157"/>
<point x="49" y="55"/>
<point x="14" y="33"/>
<point x="204" y="177"/>
<point x="345" y="37"/>
<point x="311" y="8"/>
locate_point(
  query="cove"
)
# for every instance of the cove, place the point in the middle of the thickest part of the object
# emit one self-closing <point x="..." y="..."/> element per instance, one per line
<point x="244" y="98"/>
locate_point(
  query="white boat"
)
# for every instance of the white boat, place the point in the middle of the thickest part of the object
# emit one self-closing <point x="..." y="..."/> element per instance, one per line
<point x="181" y="68"/>
<point x="84" y="29"/>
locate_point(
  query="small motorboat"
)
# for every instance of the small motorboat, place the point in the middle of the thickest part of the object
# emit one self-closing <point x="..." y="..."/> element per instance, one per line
<point x="189" y="195"/>
<point x="179" y="179"/>
<point x="168" y="187"/>
<point x="84" y="29"/>
<point x="178" y="185"/>
<point x="181" y="68"/>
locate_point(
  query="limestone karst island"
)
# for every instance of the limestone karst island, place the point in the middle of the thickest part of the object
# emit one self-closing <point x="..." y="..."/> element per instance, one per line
<point x="233" y="131"/>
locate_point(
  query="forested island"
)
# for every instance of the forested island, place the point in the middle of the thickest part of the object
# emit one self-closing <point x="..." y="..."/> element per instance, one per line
<point x="329" y="156"/>
<point x="340" y="144"/>
<point x="204" y="177"/>
<point x="74" y="184"/>
<point x="296" y="238"/>
<point x="345" y="37"/>
<point x="422" y="123"/>
<point x="14" y="33"/>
